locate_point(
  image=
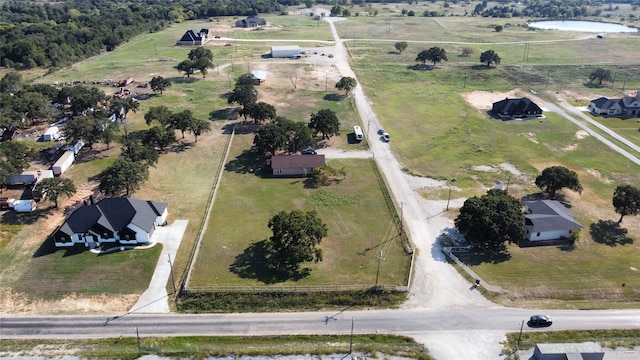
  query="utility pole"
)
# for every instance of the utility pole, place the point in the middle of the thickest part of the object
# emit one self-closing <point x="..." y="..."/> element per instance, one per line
<point x="401" y="216"/>
<point x="351" y="338"/>
<point x="624" y="84"/>
<point x="448" y="198"/>
<point x="173" y="279"/>
<point x="547" y="83"/>
<point x="378" y="271"/>
<point x="508" y="181"/>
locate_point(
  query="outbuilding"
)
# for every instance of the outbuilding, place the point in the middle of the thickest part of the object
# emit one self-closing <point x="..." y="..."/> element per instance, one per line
<point x="296" y="165"/>
<point x="287" y="51"/>
<point x="581" y="351"/>
<point x="52" y="133"/>
<point x="64" y="163"/>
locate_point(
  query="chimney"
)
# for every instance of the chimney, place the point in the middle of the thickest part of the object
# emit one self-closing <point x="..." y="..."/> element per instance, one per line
<point x="91" y="199"/>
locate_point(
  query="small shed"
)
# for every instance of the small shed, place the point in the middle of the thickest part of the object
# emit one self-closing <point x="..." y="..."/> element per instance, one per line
<point x="259" y="75"/>
<point x="296" y="165"/>
<point x="577" y="351"/>
<point x="287" y="51"/>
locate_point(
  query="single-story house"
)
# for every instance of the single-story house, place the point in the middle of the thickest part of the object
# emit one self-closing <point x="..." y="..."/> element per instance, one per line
<point x="118" y="221"/>
<point x="627" y="107"/>
<point x="251" y="22"/>
<point x="548" y="220"/>
<point x="286" y="51"/>
<point x="522" y="108"/>
<point x="260" y="76"/>
<point x="195" y="37"/>
<point x="296" y="165"/>
<point x="577" y="351"/>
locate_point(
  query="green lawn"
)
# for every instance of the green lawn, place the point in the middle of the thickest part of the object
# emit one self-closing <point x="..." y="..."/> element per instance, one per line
<point x="357" y="217"/>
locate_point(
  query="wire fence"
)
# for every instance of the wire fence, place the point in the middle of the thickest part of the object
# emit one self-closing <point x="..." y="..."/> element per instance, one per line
<point x="449" y="251"/>
<point x="297" y="288"/>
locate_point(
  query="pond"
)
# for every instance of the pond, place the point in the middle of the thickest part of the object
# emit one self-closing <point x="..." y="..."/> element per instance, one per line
<point x="584" y="26"/>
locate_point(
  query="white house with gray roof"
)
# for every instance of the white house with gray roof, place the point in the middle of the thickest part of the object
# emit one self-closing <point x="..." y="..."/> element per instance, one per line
<point x="115" y="221"/>
<point x="548" y="220"/>
<point x="627" y="107"/>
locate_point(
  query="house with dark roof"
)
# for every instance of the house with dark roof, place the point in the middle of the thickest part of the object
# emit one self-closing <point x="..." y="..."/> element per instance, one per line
<point x="521" y="108"/>
<point x="251" y="22"/>
<point x="548" y="220"/>
<point x="195" y="37"/>
<point x="296" y="165"/>
<point x="577" y="351"/>
<point x="117" y="221"/>
<point x="627" y="107"/>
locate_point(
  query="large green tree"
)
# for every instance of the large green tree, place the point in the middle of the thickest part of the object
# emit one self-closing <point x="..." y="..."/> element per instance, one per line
<point x="123" y="176"/>
<point x="15" y="157"/>
<point x="401" y="46"/>
<point x="489" y="57"/>
<point x="187" y="67"/>
<point x="347" y="84"/>
<point x="626" y="201"/>
<point x="296" y="237"/>
<point x="56" y="187"/>
<point x="199" y="127"/>
<point x="159" y="84"/>
<point x="488" y="221"/>
<point x="160" y="114"/>
<point x="555" y="178"/>
<point x="326" y="122"/>
<point x="243" y="95"/>
<point x="260" y="112"/>
<point x="202" y="59"/>
<point x="600" y="75"/>
<point x="434" y="54"/>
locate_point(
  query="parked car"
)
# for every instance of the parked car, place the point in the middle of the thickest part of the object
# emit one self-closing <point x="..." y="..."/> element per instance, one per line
<point x="308" y="151"/>
<point x="381" y="131"/>
<point x="540" y="320"/>
<point x="386" y="137"/>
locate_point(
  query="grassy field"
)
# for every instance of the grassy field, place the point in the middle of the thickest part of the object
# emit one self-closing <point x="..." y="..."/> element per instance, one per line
<point x="436" y="133"/>
<point x="441" y="135"/>
<point x="247" y="200"/>
<point x="224" y="346"/>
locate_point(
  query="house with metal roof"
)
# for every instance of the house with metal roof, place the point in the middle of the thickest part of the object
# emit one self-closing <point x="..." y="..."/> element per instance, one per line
<point x="296" y="165"/>
<point x="568" y="351"/>
<point x="522" y="108"/>
<point x="627" y="107"/>
<point x="115" y="221"/>
<point x="548" y="220"/>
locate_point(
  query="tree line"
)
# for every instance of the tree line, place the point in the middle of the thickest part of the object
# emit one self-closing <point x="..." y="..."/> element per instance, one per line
<point x="52" y="34"/>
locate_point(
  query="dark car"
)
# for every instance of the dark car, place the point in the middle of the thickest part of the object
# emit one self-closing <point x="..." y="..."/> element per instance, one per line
<point x="540" y="320"/>
<point x="308" y="151"/>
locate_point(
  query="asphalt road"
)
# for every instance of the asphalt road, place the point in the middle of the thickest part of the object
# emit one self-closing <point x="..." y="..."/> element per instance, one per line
<point x="408" y="322"/>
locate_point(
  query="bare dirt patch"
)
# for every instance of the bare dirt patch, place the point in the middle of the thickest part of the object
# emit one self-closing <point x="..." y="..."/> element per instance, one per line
<point x="482" y="100"/>
<point x="581" y="134"/>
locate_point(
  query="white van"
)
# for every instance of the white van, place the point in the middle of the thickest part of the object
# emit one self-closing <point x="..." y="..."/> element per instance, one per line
<point x="358" y="133"/>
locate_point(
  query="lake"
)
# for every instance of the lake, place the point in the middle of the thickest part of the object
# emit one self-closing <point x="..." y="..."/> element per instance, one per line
<point x="583" y="26"/>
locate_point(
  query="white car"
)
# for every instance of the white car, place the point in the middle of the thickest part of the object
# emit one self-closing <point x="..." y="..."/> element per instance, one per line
<point x="385" y="136"/>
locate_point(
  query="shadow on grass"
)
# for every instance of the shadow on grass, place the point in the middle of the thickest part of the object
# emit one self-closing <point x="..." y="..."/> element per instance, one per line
<point x="183" y="80"/>
<point x="333" y="97"/>
<point x="247" y="163"/>
<point x="474" y="258"/>
<point x="608" y="232"/>
<point x="481" y="67"/>
<point x="48" y="247"/>
<point x="421" y="67"/>
<point x="252" y="264"/>
<point x="229" y="113"/>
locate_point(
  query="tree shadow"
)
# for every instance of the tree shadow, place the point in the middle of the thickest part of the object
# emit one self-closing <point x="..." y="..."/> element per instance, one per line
<point x="593" y="86"/>
<point x="481" y="67"/>
<point x="476" y="258"/>
<point x="421" y="67"/>
<point x="230" y="113"/>
<point x="183" y="80"/>
<point x="609" y="233"/>
<point x="248" y="162"/>
<point x="333" y="97"/>
<point x="252" y="264"/>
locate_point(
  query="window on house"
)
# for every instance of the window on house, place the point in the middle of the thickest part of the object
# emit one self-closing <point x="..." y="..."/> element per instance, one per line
<point x="127" y="237"/>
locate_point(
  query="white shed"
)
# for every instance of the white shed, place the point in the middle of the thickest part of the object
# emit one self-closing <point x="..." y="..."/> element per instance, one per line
<point x="288" y="51"/>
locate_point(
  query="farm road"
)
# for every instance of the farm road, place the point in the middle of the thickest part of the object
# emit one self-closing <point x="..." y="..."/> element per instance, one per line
<point x="435" y="283"/>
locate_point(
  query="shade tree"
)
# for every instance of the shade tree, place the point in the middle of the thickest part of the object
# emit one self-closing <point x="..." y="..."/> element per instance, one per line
<point x="489" y="57"/>
<point x="626" y="201"/>
<point x="325" y="122"/>
<point x="555" y="178"/>
<point x="56" y="187"/>
<point x="347" y="84"/>
<point x="434" y="54"/>
<point x="159" y="84"/>
<point x="124" y="176"/>
<point x="488" y="221"/>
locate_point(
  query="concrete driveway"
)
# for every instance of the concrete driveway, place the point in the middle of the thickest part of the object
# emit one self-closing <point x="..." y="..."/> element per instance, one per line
<point x="156" y="298"/>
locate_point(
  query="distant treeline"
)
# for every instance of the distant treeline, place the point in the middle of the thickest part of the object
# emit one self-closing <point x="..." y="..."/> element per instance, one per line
<point x="56" y="34"/>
